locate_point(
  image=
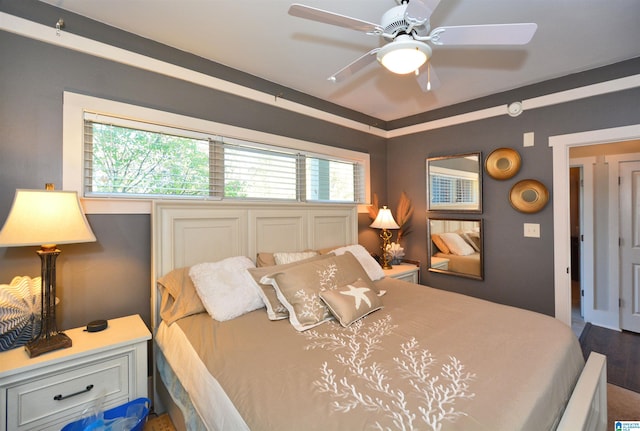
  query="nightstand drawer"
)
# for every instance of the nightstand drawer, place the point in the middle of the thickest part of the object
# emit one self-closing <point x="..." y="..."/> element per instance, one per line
<point x="410" y="277"/>
<point x="404" y="271"/>
<point x="41" y="401"/>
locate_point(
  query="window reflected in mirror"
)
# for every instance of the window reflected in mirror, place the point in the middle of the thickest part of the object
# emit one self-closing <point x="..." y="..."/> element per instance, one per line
<point x="455" y="247"/>
<point x="454" y="183"/>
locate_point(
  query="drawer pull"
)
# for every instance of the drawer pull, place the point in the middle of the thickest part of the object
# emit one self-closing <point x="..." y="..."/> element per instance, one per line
<point x="61" y="397"/>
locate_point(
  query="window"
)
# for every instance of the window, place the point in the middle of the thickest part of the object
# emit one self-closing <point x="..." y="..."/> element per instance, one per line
<point x="452" y="190"/>
<point x="163" y="155"/>
<point x="126" y="161"/>
<point x="455" y="189"/>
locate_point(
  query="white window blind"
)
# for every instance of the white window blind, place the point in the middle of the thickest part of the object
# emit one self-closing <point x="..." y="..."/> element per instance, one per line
<point x="126" y="158"/>
<point x="453" y="188"/>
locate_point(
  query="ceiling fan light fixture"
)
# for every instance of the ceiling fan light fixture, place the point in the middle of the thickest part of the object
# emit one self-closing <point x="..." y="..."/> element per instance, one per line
<point x="404" y="55"/>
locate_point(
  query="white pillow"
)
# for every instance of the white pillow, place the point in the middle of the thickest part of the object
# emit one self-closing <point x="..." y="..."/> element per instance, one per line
<point x="472" y="239"/>
<point x="371" y="267"/>
<point x="226" y="288"/>
<point x="456" y="244"/>
<point x="283" y="258"/>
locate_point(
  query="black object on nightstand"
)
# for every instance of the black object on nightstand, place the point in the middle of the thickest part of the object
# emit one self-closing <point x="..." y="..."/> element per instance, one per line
<point x="96" y="326"/>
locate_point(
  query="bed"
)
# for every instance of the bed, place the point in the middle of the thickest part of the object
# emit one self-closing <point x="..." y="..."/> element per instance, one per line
<point x="459" y="243"/>
<point x="414" y="357"/>
<point x="469" y="264"/>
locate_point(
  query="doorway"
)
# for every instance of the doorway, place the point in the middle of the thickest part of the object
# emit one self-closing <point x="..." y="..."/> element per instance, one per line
<point x="575" y="214"/>
<point x="561" y="145"/>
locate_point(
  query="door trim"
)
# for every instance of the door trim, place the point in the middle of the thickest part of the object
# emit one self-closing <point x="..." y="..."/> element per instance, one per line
<point x="561" y="222"/>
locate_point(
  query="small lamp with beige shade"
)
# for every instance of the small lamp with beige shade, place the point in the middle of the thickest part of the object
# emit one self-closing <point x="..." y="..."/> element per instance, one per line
<point x="46" y="218"/>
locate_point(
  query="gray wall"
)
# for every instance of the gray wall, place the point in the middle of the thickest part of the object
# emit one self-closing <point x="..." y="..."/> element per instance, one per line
<point x="111" y="278"/>
<point x="518" y="270"/>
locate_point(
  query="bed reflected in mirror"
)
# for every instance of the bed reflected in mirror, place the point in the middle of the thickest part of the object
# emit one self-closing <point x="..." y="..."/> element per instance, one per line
<point x="454" y="183"/>
<point x="455" y="247"/>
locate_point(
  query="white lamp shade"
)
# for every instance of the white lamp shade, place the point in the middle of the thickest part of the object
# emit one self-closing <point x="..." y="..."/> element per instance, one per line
<point x="384" y="220"/>
<point x="404" y="55"/>
<point x="45" y="217"/>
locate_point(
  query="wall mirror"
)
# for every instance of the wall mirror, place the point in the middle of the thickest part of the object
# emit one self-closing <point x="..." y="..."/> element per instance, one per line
<point x="455" y="247"/>
<point x="454" y="183"/>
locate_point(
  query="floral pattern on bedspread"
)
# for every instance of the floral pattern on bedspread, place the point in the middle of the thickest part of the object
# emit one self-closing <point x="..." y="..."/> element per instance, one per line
<point x="433" y="387"/>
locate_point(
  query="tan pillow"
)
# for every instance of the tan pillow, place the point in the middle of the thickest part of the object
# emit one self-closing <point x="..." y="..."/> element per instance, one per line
<point x="373" y="268"/>
<point x="298" y="288"/>
<point x="351" y="302"/>
<point x="440" y="243"/>
<point x="179" y="296"/>
<point x="275" y="309"/>
<point x="329" y="249"/>
<point x="265" y="259"/>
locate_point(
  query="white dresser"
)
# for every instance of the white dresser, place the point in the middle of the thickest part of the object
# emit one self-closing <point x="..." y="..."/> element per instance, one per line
<point x="52" y="390"/>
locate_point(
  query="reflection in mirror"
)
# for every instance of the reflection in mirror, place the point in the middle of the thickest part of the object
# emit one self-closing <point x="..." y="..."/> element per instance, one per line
<point x="454" y="183"/>
<point x="455" y="247"/>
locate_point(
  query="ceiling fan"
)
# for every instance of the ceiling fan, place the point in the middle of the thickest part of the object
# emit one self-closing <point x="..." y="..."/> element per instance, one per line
<point x="407" y="30"/>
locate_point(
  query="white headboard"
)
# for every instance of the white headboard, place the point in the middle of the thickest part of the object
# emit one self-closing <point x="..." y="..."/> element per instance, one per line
<point x="186" y="233"/>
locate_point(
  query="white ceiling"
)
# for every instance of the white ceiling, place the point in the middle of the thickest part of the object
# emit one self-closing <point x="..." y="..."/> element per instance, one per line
<point x="260" y="38"/>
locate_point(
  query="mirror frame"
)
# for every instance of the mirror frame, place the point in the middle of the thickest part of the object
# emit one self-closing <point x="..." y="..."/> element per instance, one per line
<point x="431" y="165"/>
<point x="432" y="249"/>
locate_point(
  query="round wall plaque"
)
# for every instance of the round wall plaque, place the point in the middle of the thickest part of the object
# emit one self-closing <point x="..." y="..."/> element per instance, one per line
<point x="502" y="163"/>
<point x="528" y="196"/>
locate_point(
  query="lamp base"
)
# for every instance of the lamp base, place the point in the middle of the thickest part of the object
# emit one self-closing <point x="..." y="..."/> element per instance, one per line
<point x="43" y="345"/>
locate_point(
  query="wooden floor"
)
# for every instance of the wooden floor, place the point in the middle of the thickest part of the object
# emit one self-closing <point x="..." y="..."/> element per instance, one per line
<point x="159" y="423"/>
<point x="622" y="350"/>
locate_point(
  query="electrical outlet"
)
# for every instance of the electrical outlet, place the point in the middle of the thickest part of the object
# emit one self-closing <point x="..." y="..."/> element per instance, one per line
<point x="532" y="230"/>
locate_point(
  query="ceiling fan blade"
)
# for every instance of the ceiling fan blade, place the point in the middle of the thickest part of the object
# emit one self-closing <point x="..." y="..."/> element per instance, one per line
<point x="491" y="34"/>
<point x="419" y="11"/>
<point x="427" y="78"/>
<point x="354" y="66"/>
<point x="307" y="12"/>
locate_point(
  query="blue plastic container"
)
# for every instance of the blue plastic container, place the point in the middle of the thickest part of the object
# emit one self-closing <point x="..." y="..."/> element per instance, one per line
<point x="87" y="424"/>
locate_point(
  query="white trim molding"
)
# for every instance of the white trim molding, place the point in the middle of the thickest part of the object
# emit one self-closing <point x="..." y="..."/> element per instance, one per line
<point x="561" y="219"/>
<point x="77" y="43"/>
<point x="84" y="45"/>
<point x="75" y="105"/>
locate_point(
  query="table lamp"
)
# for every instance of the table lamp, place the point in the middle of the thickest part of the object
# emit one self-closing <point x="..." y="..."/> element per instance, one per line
<point x="46" y="218"/>
<point x="384" y="220"/>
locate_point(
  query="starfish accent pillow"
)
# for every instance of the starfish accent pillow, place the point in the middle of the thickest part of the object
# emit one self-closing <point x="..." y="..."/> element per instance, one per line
<point x="298" y="288"/>
<point x="351" y="302"/>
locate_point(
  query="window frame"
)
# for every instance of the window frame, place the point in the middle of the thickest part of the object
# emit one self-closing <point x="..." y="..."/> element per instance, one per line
<point x="75" y="105"/>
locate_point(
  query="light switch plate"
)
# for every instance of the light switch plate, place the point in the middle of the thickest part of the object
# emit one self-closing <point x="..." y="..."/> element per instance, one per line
<point x="527" y="139"/>
<point x="532" y="230"/>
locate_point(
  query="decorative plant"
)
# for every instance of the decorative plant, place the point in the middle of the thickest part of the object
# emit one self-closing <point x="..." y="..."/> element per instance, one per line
<point x="403" y="215"/>
<point x="374" y="207"/>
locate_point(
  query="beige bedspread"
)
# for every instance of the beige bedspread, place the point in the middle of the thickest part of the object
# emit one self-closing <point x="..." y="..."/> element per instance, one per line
<point x="429" y="360"/>
<point x="469" y="264"/>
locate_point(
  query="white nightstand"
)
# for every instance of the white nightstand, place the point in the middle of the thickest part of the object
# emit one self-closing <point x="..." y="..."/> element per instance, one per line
<point x="439" y="263"/>
<point x="404" y="271"/>
<point x="52" y="390"/>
